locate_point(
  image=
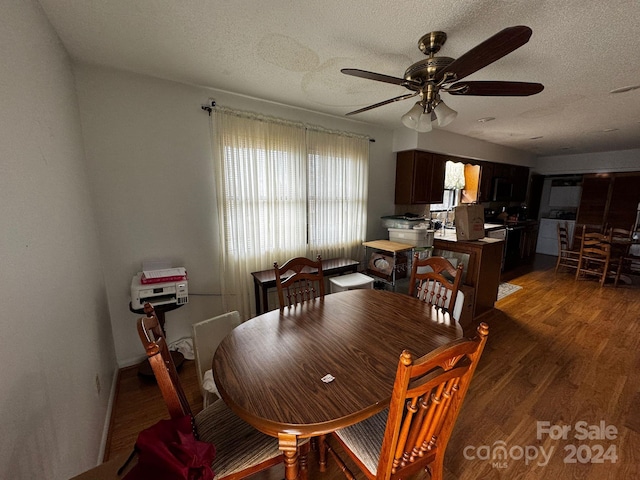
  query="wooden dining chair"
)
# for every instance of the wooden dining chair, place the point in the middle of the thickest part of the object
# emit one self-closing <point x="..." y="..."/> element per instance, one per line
<point x="567" y="256"/>
<point x="595" y="256"/>
<point x="412" y="434"/>
<point x="429" y="283"/>
<point x="621" y="259"/>
<point x="241" y="450"/>
<point x="299" y="280"/>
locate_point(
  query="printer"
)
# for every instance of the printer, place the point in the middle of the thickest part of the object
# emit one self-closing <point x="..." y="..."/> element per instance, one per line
<point x="159" y="292"/>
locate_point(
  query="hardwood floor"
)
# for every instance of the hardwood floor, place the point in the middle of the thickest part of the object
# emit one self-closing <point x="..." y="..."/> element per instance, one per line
<point x="559" y="351"/>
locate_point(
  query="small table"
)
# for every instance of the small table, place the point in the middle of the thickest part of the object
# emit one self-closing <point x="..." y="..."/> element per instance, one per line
<point x="266" y="279"/>
<point x="394" y="248"/>
<point x="269" y="369"/>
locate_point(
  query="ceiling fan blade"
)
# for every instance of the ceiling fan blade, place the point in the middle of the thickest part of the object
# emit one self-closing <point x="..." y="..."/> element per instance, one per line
<point x="378" y="77"/>
<point x="492" y="49"/>
<point x="391" y="100"/>
<point x="491" y="88"/>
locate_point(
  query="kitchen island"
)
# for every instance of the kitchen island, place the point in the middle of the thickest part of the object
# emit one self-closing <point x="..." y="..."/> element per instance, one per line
<point x="482" y="259"/>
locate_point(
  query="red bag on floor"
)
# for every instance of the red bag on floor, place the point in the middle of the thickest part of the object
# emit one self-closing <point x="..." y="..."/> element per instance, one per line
<point x="170" y="451"/>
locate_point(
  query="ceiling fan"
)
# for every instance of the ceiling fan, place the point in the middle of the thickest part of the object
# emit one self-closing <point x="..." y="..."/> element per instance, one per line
<point x="433" y="75"/>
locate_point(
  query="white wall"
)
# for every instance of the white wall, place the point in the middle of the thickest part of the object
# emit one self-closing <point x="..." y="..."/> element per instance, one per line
<point x="149" y="154"/>
<point x="56" y="334"/>
<point x="448" y="143"/>
<point x="618" y="161"/>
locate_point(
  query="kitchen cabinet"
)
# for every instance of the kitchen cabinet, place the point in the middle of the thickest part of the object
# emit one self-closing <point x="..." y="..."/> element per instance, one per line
<point x="565" y="196"/>
<point x="482" y="270"/>
<point x="486" y="181"/>
<point x="594" y="199"/>
<point x="515" y="175"/>
<point x="520" y="178"/>
<point x="624" y="201"/>
<point x="528" y="241"/>
<point x="419" y="177"/>
<point x="609" y="199"/>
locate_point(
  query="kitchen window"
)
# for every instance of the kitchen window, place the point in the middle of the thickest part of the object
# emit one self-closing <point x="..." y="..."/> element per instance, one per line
<point x="461" y="181"/>
<point x="453" y="184"/>
<point x="284" y="190"/>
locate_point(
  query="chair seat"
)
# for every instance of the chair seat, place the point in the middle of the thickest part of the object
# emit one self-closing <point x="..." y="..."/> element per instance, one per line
<point x="217" y="424"/>
<point x="364" y="439"/>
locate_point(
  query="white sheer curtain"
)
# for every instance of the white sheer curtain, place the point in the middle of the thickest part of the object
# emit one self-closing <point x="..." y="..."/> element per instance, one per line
<point x="262" y="189"/>
<point x="338" y="178"/>
<point x="283" y="191"/>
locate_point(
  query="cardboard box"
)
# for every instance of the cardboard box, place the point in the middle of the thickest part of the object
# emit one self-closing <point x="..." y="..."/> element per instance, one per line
<point x="469" y="222"/>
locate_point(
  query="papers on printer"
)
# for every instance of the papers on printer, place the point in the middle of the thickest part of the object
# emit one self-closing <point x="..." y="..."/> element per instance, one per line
<point x="163" y="275"/>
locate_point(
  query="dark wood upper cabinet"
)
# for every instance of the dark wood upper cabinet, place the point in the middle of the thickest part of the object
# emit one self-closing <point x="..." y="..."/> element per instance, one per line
<point x="419" y="177"/>
<point x="609" y="200"/>
<point x="594" y="199"/>
<point x="486" y="181"/>
<point x="520" y="178"/>
<point x="624" y="201"/>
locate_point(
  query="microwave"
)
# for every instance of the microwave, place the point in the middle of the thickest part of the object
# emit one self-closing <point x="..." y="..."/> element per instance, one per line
<point x="502" y="190"/>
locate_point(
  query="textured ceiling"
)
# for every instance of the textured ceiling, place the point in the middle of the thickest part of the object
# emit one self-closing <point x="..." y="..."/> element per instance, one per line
<point x="291" y="51"/>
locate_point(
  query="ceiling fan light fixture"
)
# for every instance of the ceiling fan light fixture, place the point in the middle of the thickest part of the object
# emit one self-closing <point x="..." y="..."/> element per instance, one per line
<point x="444" y="114"/>
<point x="412" y="117"/>
<point x="424" y="123"/>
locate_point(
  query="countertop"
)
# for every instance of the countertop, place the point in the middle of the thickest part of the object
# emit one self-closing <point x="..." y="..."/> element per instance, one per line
<point x="449" y="235"/>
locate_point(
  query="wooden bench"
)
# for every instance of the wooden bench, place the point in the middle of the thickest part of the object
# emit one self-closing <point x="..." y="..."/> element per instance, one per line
<point x="266" y="279"/>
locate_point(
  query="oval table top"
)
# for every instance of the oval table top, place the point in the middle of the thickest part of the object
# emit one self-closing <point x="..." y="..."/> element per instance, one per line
<point x="269" y="369"/>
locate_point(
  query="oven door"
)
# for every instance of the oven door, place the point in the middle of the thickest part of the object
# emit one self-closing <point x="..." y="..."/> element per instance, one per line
<point x="512" y="247"/>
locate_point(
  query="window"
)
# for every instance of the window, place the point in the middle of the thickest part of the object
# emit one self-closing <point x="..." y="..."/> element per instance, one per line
<point x="453" y="184"/>
<point x="284" y="190"/>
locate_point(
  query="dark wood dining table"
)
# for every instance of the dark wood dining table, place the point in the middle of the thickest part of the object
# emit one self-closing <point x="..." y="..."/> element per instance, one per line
<point x="270" y="369"/>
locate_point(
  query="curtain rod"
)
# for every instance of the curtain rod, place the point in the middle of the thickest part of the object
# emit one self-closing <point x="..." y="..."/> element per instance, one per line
<point x="212" y="104"/>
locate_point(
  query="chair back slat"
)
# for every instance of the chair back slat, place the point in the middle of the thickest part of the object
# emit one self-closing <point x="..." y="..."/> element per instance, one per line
<point x="429" y="283"/>
<point x="568" y="255"/>
<point x="595" y="255"/>
<point x="299" y="280"/>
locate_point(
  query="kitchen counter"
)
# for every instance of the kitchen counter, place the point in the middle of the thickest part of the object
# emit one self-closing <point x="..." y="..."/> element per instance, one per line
<point x="449" y="235"/>
<point x="483" y="260"/>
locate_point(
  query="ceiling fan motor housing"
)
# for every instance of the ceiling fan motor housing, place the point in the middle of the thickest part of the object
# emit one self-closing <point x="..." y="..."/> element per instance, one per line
<point x="426" y="69"/>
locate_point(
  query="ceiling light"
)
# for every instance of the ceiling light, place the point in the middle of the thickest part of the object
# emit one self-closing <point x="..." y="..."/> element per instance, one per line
<point x="444" y="114"/>
<point x="424" y="114"/>
<point x="486" y="119"/>
<point x="410" y="119"/>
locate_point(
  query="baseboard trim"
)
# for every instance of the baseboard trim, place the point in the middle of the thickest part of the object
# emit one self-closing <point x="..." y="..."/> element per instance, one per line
<point x="107" y="420"/>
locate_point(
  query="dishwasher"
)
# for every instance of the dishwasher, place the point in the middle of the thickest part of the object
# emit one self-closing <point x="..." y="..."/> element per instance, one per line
<point x="500" y="233"/>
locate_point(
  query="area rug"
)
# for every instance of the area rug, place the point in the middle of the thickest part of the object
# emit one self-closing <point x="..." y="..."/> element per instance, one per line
<point x="505" y="289"/>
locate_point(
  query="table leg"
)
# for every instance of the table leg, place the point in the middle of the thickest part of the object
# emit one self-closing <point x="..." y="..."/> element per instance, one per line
<point x="256" y="293"/>
<point x="265" y="298"/>
<point x="289" y="447"/>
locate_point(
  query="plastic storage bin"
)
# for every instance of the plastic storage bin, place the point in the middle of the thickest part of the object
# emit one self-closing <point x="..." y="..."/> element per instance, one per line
<point x="351" y="281"/>
<point x="415" y="237"/>
<point x="399" y="221"/>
